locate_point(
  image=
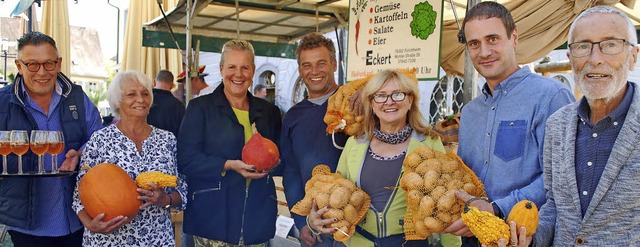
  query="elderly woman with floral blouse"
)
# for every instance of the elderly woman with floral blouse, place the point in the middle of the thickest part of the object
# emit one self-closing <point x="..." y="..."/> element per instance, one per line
<point x="136" y="147"/>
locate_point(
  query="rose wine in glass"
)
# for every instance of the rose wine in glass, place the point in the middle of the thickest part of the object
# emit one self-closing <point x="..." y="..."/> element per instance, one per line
<point x="5" y="148"/>
<point x="56" y="145"/>
<point x="19" y="145"/>
<point x="39" y="146"/>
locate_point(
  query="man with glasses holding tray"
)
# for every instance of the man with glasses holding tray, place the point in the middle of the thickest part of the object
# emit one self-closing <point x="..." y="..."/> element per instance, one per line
<point x="38" y="209"/>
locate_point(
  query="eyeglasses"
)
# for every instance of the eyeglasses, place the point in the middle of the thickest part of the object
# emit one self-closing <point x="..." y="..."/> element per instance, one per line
<point x="609" y="47"/>
<point x="395" y="97"/>
<point x="34" y="67"/>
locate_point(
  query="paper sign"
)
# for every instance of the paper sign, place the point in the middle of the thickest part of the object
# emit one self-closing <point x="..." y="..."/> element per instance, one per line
<point x="394" y="34"/>
<point x="283" y="226"/>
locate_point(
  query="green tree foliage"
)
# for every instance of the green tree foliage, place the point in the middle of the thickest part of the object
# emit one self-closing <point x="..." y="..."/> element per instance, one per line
<point x="424" y="20"/>
<point x="97" y="95"/>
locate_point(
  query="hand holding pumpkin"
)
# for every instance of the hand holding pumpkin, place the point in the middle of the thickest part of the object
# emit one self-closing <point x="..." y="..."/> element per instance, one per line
<point x="458" y="227"/>
<point x="520" y="240"/>
<point x="98" y="226"/>
<point x="247" y="171"/>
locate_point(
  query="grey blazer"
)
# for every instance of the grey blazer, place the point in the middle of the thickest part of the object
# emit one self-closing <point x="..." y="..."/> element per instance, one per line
<point x="613" y="216"/>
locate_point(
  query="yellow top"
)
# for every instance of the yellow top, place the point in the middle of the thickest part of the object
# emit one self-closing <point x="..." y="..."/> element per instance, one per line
<point x="243" y="118"/>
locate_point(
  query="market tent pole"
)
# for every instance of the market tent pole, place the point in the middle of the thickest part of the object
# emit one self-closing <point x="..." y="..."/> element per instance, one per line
<point x="189" y="61"/>
<point x="469" y="88"/>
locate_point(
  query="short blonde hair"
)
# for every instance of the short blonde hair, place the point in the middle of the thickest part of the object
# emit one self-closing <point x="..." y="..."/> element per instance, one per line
<point x="114" y="93"/>
<point x="406" y="84"/>
<point x="237" y="45"/>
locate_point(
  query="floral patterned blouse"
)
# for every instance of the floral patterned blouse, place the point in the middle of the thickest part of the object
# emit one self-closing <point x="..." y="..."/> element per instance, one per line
<point x="152" y="226"/>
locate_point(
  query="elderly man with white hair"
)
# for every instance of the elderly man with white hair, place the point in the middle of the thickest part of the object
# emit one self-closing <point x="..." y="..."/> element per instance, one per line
<point x="591" y="156"/>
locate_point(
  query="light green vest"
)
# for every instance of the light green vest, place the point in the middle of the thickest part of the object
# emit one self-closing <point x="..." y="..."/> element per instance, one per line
<point x="390" y="220"/>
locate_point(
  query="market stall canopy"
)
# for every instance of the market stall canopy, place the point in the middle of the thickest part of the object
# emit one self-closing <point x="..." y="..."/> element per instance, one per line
<point x="543" y="25"/>
<point x="272" y="26"/>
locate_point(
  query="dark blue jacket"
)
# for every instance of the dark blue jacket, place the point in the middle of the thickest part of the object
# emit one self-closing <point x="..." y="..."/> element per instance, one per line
<point x="166" y="112"/>
<point x="221" y="207"/>
<point x="18" y="195"/>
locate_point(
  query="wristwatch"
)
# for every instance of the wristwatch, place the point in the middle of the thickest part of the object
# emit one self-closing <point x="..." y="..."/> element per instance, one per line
<point x="496" y="210"/>
<point x="170" y="202"/>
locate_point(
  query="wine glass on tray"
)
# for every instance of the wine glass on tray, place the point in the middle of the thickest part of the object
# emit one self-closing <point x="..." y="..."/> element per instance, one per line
<point x="56" y="145"/>
<point x="5" y="148"/>
<point x="38" y="144"/>
<point x="19" y="145"/>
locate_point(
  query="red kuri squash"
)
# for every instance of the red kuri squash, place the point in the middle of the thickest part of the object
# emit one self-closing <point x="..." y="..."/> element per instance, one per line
<point x="260" y="152"/>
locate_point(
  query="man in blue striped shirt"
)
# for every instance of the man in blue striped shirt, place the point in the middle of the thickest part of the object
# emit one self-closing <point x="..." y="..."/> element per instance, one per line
<point x="38" y="210"/>
<point x="501" y="130"/>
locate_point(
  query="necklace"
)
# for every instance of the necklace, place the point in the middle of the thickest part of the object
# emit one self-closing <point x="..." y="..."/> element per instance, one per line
<point x="395" y="138"/>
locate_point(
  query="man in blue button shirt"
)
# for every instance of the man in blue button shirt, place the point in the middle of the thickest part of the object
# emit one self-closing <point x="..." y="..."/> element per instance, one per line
<point x="38" y="210"/>
<point x="502" y="130"/>
<point x="591" y="154"/>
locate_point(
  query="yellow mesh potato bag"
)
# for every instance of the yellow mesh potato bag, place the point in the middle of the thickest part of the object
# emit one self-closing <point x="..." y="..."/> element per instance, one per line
<point x="430" y="180"/>
<point x="348" y="203"/>
<point x="339" y="106"/>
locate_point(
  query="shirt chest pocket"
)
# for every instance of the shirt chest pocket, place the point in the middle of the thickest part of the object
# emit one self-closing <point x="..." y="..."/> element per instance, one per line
<point x="510" y="140"/>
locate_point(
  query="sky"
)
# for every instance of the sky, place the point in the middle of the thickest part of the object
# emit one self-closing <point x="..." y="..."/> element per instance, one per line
<point x="99" y="15"/>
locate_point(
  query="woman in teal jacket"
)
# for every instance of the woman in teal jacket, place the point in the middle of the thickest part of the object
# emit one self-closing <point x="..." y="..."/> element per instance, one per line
<point x="372" y="159"/>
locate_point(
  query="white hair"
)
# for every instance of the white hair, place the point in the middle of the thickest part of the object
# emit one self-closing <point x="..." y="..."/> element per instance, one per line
<point x="114" y="93"/>
<point x="631" y="30"/>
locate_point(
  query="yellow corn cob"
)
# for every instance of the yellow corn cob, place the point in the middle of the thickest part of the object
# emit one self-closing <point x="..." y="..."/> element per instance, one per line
<point x="158" y="178"/>
<point x="484" y="225"/>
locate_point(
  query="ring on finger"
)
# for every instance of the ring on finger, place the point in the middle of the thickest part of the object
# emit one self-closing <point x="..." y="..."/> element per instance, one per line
<point x="152" y="193"/>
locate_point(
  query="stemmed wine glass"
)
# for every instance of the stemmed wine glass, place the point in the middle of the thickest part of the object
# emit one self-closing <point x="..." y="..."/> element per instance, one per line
<point x="5" y="148"/>
<point x="56" y="145"/>
<point x="19" y="145"/>
<point x="39" y="146"/>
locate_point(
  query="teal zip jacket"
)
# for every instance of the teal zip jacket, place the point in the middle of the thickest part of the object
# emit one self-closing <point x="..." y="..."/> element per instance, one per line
<point x="392" y="216"/>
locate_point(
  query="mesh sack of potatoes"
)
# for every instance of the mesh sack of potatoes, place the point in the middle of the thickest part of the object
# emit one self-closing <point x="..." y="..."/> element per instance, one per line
<point x="339" y="106"/>
<point x="339" y="109"/>
<point x="430" y="180"/>
<point x="347" y="202"/>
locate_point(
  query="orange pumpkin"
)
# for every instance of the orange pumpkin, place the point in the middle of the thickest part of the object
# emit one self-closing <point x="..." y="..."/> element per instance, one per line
<point x="108" y="189"/>
<point x="260" y="152"/>
<point x="525" y="213"/>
